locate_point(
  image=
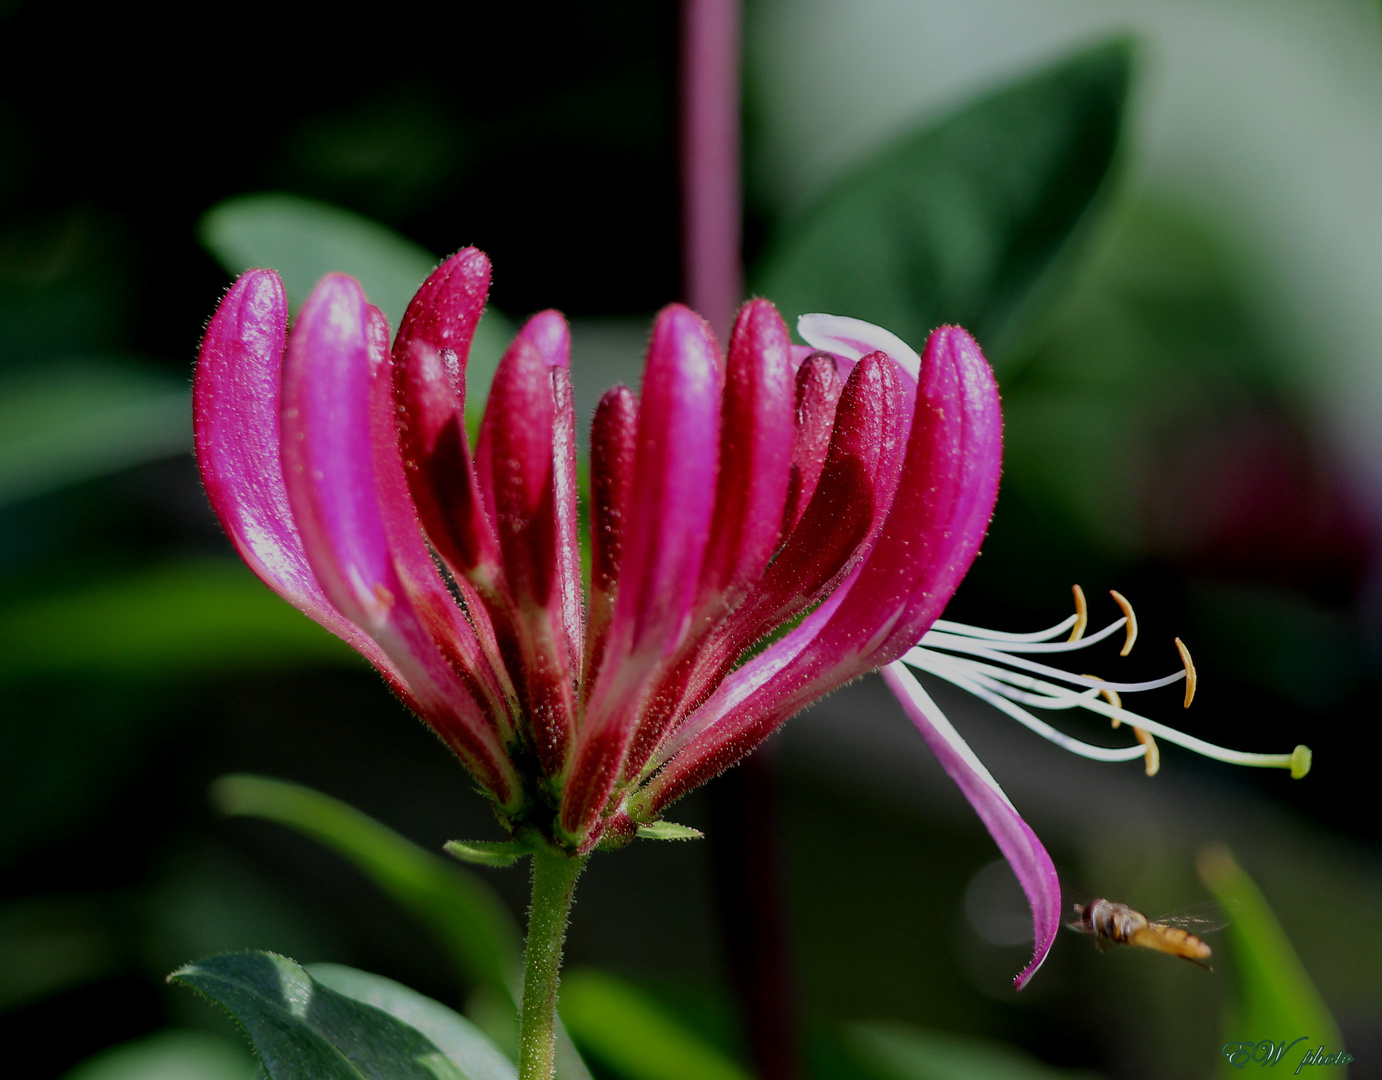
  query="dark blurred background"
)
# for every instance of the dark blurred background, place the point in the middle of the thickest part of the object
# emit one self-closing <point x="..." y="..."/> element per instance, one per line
<point x="1176" y="430"/>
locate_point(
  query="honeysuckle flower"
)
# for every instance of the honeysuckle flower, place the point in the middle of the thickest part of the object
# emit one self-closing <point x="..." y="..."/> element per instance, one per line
<point x="764" y="526"/>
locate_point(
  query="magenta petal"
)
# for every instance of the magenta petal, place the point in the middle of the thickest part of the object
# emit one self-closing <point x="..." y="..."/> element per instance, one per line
<point x="817" y="392"/>
<point x="671" y="506"/>
<point x="549" y="334"/>
<point x="613" y="446"/>
<point x="527" y="475"/>
<point x="937" y="520"/>
<point x="755" y="457"/>
<point x="430" y="355"/>
<point x="1015" y="839"/>
<point x="330" y="389"/>
<point x="236" y="419"/>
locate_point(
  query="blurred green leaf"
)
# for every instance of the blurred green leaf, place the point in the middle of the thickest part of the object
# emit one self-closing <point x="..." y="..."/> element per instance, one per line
<point x="300" y="1028"/>
<point x="962" y="220"/>
<point x="452" y="1033"/>
<point x="168" y="1055"/>
<point x="902" y="1052"/>
<point x="463" y="911"/>
<point x="51" y="944"/>
<point x="63" y="423"/>
<point x="188" y="617"/>
<point x="304" y="240"/>
<point x="1274" y="996"/>
<point x="629" y="1032"/>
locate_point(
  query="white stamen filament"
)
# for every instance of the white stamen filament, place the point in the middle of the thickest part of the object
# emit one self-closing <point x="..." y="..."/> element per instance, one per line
<point x="948" y="627"/>
<point x="985" y="667"/>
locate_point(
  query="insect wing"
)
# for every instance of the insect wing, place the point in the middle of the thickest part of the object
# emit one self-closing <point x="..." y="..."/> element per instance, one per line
<point x="1201" y="919"/>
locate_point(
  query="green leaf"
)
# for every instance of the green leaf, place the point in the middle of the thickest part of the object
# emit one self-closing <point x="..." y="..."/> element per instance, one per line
<point x="625" y="1029"/>
<point x="465" y="913"/>
<point x="301" y="1028"/>
<point x="487" y="852"/>
<point x="669" y="830"/>
<point x="1274" y="996"/>
<point x="64" y="423"/>
<point x="184" y="618"/>
<point x="902" y="1052"/>
<point x="963" y="220"/>
<point x="305" y="240"/>
<point x="168" y="1055"/>
<point x="460" y="1040"/>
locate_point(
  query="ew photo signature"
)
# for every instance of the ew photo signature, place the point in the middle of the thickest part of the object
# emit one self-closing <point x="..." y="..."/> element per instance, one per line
<point x="1268" y="1053"/>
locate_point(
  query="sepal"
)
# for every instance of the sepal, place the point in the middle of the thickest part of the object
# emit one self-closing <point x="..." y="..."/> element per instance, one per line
<point x="488" y="852"/>
<point x="668" y="830"/>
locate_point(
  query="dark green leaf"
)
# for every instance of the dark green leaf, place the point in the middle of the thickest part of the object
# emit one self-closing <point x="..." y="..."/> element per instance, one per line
<point x="621" y="1026"/>
<point x="1274" y="996"/>
<point x="69" y="422"/>
<point x="188" y="617"/>
<point x="453" y="903"/>
<point x="302" y="1029"/>
<point x="461" y="1041"/>
<point x="902" y="1052"/>
<point x="961" y="221"/>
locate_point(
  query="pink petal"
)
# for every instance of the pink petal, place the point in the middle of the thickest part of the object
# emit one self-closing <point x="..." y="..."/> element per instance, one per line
<point x="430" y="355"/>
<point x="851" y="503"/>
<point x="1015" y="839"/>
<point x="755" y="456"/>
<point x="755" y="465"/>
<point x="236" y="419"/>
<point x="664" y="544"/>
<point x="818" y="389"/>
<point x="613" y="447"/>
<point x="528" y="478"/>
<point x="933" y="531"/>
<point x="331" y="387"/>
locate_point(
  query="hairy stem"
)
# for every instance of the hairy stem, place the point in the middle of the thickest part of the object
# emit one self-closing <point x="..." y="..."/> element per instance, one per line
<point x="554" y="884"/>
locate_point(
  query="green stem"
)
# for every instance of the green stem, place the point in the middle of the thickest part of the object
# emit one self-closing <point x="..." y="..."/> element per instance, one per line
<point x="554" y="883"/>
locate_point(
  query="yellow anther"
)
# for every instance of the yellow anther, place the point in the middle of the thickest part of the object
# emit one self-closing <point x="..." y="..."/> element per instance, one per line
<point x="1131" y="628"/>
<point x="1153" y="753"/>
<point x="1081" y="614"/>
<point x="1111" y="696"/>
<point x="1189" y="672"/>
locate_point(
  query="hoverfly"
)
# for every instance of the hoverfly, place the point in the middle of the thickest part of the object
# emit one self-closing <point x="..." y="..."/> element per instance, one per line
<point x="1112" y="923"/>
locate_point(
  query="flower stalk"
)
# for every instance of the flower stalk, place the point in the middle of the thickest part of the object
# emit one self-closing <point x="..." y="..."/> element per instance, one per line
<point x="554" y="885"/>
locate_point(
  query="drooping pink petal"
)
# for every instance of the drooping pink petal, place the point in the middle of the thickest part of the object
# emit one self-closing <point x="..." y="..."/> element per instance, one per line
<point x="663" y="546"/>
<point x="938" y="518"/>
<point x="613" y="445"/>
<point x="1019" y="845"/>
<point x="236" y="421"/>
<point x="817" y="391"/>
<point x="330" y="393"/>
<point x="527" y="477"/>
